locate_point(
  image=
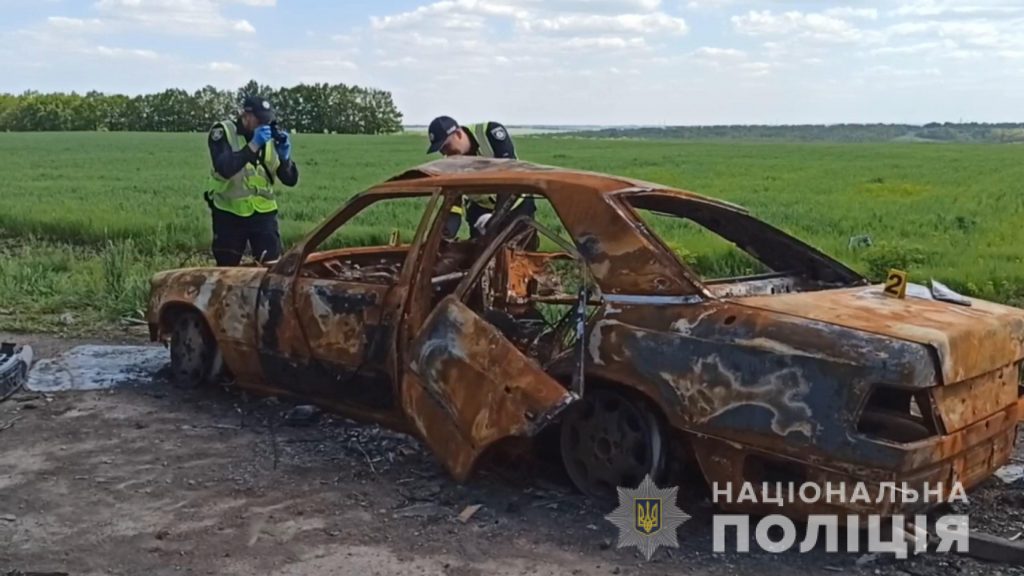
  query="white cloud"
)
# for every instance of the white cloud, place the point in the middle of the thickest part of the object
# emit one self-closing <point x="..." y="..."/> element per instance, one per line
<point x="939" y="8"/>
<point x="223" y="67"/>
<point x="76" y="24"/>
<point x="709" y="4"/>
<point x="604" y="42"/>
<point x="810" y="25"/>
<point x="181" y="17"/>
<point x="977" y="32"/>
<point x="848" y="12"/>
<point x="720" y="53"/>
<point x="649" y="24"/>
<point x="124" y="52"/>
<point x="595" y="6"/>
<point x="450" y="13"/>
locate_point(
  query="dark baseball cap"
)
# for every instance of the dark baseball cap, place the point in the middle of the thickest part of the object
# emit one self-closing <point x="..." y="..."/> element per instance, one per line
<point x="260" y="107"/>
<point x="440" y="129"/>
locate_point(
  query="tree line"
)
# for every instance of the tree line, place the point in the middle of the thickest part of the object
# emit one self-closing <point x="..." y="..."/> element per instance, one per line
<point x="321" y="107"/>
<point x="932" y="132"/>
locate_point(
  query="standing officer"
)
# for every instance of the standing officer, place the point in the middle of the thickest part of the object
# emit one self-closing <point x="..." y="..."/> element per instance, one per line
<point x="489" y="139"/>
<point x="248" y="157"/>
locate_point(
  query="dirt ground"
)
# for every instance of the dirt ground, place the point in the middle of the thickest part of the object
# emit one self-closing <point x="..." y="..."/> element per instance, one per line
<point x="152" y="479"/>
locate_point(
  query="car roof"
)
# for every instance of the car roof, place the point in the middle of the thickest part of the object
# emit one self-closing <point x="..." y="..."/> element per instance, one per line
<point x="472" y="170"/>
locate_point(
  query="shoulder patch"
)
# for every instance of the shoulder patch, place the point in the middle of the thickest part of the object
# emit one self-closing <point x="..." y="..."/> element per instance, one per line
<point x="217" y="133"/>
<point x="499" y="133"/>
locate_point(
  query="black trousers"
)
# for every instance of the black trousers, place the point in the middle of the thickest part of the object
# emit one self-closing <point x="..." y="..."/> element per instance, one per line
<point x="232" y="233"/>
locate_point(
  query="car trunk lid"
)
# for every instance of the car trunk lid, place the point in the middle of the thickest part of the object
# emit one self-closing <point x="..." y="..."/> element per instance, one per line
<point x="969" y="340"/>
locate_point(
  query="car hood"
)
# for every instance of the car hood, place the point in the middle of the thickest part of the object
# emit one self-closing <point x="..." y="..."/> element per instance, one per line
<point x="969" y="340"/>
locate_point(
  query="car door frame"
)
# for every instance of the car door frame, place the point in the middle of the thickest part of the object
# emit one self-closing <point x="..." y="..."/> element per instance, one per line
<point x="283" y="347"/>
<point x="438" y="413"/>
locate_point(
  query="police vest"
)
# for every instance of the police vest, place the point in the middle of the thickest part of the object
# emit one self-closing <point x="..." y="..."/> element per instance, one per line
<point x="485" y="201"/>
<point x="250" y="190"/>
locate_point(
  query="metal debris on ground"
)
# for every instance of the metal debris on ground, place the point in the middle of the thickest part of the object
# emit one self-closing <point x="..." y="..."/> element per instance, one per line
<point x="302" y="415"/>
<point x="425" y="510"/>
<point x="468" y="512"/>
<point x="9" y="423"/>
<point x="15" y="362"/>
<point x="866" y="559"/>
<point x="1010" y="473"/>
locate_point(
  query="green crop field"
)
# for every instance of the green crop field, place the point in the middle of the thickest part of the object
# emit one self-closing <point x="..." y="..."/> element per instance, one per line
<point x="86" y="218"/>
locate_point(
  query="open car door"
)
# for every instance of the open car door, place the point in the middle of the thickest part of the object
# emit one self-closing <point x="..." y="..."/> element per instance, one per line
<point x="467" y="386"/>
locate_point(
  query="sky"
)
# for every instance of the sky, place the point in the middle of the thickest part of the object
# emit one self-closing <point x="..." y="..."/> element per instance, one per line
<point x="603" y="62"/>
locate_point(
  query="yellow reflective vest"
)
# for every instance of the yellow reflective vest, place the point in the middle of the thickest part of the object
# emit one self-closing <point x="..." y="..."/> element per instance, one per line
<point x="250" y="190"/>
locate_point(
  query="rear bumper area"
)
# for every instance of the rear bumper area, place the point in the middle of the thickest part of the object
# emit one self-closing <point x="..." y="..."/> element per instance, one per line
<point x="962" y="459"/>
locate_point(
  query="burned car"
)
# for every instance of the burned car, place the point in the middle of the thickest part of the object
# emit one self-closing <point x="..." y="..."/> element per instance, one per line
<point x="607" y="339"/>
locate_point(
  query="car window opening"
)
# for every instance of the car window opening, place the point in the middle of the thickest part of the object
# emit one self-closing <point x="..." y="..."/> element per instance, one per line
<point x="733" y="253"/>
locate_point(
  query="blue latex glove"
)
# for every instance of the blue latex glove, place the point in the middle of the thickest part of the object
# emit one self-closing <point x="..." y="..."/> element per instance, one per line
<point x="260" y="137"/>
<point x="284" y="149"/>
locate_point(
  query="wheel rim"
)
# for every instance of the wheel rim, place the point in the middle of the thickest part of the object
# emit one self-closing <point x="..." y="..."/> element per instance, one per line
<point x="189" y="351"/>
<point x="609" y="440"/>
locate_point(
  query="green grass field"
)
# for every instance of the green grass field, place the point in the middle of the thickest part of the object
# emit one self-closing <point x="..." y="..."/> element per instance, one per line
<point x="86" y="218"/>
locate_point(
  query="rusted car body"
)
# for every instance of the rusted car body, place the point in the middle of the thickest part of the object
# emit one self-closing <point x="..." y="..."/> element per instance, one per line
<point x="806" y="373"/>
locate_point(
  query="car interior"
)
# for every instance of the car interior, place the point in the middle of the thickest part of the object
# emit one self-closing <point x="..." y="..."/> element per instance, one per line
<point x="531" y="296"/>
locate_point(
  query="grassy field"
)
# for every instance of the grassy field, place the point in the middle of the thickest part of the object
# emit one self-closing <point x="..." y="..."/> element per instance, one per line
<point x="86" y="218"/>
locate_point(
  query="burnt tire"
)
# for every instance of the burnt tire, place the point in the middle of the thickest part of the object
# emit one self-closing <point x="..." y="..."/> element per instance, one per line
<point x="610" y="439"/>
<point x="194" y="354"/>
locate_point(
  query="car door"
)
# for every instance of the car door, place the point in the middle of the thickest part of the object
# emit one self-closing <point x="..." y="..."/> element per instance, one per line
<point x="327" y="339"/>
<point x="467" y="386"/>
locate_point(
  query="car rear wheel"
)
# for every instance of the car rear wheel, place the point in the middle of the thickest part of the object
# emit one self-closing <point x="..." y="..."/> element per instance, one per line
<point x="611" y="439"/>
<point x="194" y="356"/>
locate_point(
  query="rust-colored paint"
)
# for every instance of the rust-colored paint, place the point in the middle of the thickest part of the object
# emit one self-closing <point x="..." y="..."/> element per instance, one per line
<point x="789" y="375"/>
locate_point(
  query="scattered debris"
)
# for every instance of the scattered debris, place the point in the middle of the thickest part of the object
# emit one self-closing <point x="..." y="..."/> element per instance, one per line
<point x="1016" y="536"/>
<point x="946" y="294"/>
<point x="833" y="569"/>
<point x="9" y="423"/>
<point x="866" y="559"/>
<point x="1010" y="473"/>
<point x="425" y="510"/>
<point x="93" y="367"/>
<point x="67" y="319"/>
<point x="468" y="512"/>
<point x="8" y="517"/>
<point x="14" y="365"/>
<point x="861" y="241"/>
<point x="302" y="415"/>
<point x="994" y="549"/>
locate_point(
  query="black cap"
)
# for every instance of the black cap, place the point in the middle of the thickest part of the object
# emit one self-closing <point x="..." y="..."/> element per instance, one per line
<point x="440" y="129"/>
<point x="260" y="107"/>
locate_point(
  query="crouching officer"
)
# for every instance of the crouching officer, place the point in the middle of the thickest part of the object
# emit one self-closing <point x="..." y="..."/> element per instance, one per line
<point x="249" y="157"/>
<point x="489" y="139"/>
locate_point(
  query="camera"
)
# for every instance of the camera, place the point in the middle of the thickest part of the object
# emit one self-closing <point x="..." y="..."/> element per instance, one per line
<point x="275" y="133"/>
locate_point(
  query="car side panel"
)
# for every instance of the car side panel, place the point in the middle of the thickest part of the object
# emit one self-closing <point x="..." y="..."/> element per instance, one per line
<point x="227" y="300"/>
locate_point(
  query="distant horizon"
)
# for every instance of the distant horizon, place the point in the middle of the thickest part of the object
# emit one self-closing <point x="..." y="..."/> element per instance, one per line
<point x="730" y="125"/>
